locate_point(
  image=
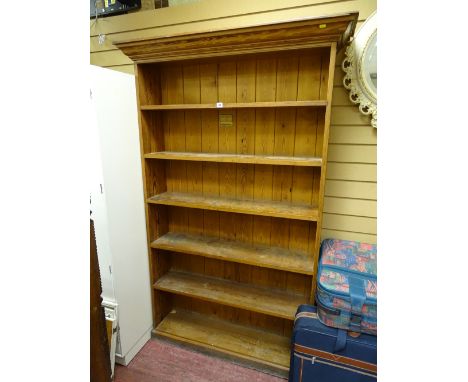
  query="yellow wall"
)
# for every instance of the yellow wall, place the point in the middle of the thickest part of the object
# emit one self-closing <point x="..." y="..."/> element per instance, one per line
<point x="350" y="210"/>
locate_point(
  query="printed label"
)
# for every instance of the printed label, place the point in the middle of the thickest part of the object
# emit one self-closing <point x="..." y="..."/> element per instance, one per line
<point x="225" y="120"/>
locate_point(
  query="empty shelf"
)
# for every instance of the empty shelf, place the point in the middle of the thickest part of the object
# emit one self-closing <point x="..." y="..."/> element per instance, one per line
<point x="237" y="158"/>
<point x="235" y="251"/>
<point x="233" y="339"/>
<point x="254" y="207"/>
<point x="234" y="105"/>
<point x="231" y="293"/>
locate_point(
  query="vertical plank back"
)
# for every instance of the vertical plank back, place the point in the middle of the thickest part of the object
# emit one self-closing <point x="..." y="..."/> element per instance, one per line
<point x="227" y="92"/>
<point x="193" y="143"/>
<point x="245" y="144"/>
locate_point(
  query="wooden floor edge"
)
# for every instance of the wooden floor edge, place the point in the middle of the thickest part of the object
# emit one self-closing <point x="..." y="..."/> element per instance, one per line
<point x="279" y="367"/>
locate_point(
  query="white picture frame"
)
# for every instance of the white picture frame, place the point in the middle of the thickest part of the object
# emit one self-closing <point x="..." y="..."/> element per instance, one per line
<point x="360" y="67"/>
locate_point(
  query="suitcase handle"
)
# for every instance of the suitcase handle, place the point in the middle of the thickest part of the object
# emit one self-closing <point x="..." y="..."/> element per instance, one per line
<point x="357" y="293"/>
<point x="341" y="338"/>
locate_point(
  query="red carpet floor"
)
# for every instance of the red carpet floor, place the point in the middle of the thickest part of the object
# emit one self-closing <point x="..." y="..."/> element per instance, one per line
<point x="159" y="361"/>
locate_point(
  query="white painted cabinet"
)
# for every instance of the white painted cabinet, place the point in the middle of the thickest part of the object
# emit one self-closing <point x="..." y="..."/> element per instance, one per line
<point x="117" y="205"/>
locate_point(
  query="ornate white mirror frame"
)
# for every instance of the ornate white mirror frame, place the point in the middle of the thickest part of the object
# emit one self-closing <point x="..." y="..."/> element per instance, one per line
<point x="360" y="66"/>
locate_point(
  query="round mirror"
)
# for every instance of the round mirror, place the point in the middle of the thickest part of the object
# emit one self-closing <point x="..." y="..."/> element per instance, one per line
<point x="360" y="66"/>
<point x="369" y="65"/>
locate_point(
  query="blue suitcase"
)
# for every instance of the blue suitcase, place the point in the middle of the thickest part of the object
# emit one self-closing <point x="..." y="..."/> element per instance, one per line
<point x="323" y="354"/>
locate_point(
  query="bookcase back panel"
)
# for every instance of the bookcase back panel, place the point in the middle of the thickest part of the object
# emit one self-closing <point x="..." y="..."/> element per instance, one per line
<point x="156" y="182"/>
<point x="149" y="84"/>
<point x="292" y="131"/>
<point x="290" y="234"/>
<point x="275" y="131"/>
<point x="285" y="184"/>
<point x="286" y="281"/>
<point x="293" y="76"/>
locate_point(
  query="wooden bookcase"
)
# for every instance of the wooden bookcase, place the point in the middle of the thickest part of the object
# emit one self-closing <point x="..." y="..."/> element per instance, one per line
<point x="234" y="135"/>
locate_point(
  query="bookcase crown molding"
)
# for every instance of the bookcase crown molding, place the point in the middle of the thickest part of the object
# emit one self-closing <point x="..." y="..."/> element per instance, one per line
<point x="298" y="34"/>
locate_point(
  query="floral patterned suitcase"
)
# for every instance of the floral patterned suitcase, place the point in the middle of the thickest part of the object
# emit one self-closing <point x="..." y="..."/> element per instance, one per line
<point x="347" y="285"/>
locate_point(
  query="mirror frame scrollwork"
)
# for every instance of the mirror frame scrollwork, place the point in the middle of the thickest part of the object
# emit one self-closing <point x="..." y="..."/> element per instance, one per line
<point x="353" y="65"/>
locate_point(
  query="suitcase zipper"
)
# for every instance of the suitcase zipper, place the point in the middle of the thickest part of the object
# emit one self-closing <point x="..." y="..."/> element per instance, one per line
<point x="341" y="269"/>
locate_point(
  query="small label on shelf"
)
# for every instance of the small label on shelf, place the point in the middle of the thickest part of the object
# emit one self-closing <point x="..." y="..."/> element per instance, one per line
<point x="225" y="120"/>
<point x="219" y="104"/>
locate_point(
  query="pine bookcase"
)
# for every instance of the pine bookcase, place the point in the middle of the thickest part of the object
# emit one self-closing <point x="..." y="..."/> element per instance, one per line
<point x="234" y="129"/>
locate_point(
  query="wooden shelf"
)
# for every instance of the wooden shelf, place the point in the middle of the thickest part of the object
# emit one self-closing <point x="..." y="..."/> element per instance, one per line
<point x="237" y="158"/>
<point x="253" y="207"/>
<point x="231" y="293"/>
<point x="233" y="339"/>
<point x="235" y="251"/>
<point x="235" y="105"/>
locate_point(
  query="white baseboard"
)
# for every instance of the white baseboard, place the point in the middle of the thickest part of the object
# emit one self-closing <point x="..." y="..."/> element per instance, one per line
<point x="125" y="359"/>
